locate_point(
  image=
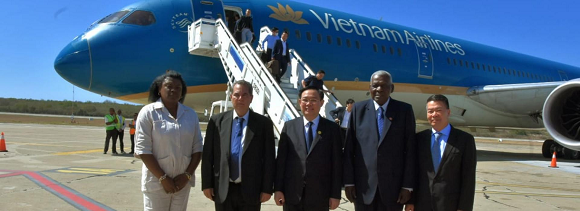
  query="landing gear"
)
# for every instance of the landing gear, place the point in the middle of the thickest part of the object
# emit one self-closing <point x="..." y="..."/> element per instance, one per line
<point x="570" y="154"/>
<point x="550" y="146"/>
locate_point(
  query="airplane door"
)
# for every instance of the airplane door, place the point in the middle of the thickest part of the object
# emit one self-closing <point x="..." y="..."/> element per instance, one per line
<point x="563" y="75"/>
<point x="425" y="62"/>
<point x="210" y="9"/>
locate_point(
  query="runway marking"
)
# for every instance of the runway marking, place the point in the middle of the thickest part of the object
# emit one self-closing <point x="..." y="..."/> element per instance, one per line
<point x="71" y="196"/>
<point x="93" y="171"/>
<point x="89" y="171"/>
<point x="528" y="186"/>
<point x="78" y="152"/>
<point x="529" y="194"/>
<point x="37" y="144"/>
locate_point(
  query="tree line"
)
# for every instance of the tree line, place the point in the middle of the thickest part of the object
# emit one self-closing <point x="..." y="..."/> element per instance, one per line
<point x="65" y="107"/>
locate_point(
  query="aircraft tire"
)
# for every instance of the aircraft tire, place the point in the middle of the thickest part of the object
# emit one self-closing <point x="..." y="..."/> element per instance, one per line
<point x="547" y="148"/>
<point x="568" y="153"/>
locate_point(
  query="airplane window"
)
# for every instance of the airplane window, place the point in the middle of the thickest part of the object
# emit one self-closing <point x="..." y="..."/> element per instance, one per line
<point x="141" y="18"/>
<point x="393" y="52"/>
<point x="338" y="41"/>
<point x="297" y="34"/>
<point x="448" y="60"/>
<point x="472" y="65"/>
<point x="308" y="36"/>
<point x="347" y="43"/>
<point x="357" y="44"/>
<point x="319" y="38"/>
<point x="454" y="62"/>
<point x="114" y="17"/>
<point x="375" y="47"/>
<point x="488" y="68"/>
<point x="460" y="63"/>
<point x="329" y="39"/>
<point x="399" y="51"/>
<point x="385" y="49"/>
<point x="528" y="75"/>
<point x="478" y="66"/>
<point x="503" y="72"/>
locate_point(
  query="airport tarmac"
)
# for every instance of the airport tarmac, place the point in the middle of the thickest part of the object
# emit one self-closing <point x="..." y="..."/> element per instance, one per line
<point x="57" y="167"/>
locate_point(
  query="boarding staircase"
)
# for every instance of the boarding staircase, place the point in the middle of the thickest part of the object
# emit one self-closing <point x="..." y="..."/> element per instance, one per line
<point x="211" y="38"/>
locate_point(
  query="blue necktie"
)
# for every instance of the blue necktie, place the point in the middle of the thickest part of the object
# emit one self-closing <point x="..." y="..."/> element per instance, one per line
<point x="235" y="150"/>
<point x="380" y="122"/>
<point x="436" y="151"/>
<point x="309" y="137"/>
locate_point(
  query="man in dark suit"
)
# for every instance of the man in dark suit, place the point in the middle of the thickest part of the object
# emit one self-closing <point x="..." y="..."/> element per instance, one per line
<point x="446" y="177"/>
<point x="281" y="53"/>
<point x="342" y="114"/>
<point x="236" y="174"/>
<point x="309" y="163"/>
<point x="379" y="154"/>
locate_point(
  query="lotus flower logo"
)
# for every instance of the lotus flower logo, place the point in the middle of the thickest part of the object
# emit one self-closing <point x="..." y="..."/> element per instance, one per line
<point x="287" y="14"/>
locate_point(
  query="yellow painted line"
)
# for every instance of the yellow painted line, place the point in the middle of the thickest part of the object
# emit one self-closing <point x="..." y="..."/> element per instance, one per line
<point x="99" y="170"/>
<point x="529" y="194"/>
<point x="528" y="186"/>
<point x="37" y="144"/>
<point x="78" y="152"/>
<point x="82" y="172"/>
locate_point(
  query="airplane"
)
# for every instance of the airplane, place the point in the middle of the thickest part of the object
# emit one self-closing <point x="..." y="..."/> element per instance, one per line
<point x="486" y="86"/>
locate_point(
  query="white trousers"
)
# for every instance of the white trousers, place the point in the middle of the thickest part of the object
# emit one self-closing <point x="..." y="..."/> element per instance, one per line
<point x="159" y="200"/>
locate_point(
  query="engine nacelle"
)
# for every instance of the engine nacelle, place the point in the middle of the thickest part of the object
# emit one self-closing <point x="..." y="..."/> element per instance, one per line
<point x="562" y="114"/>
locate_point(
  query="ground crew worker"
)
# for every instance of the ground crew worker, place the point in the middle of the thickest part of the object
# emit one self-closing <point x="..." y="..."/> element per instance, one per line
<point x="132" y="133"/>
<point x="111" y="122"/>
<point x="121" y="128"/>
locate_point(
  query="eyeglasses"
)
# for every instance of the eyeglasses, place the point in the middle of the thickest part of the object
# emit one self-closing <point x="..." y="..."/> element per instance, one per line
<point x="311" y="101"/>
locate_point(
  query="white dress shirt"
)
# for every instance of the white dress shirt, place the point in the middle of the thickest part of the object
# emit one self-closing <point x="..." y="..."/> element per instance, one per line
<point x="170" y="140"/>
<point x="315" y="122"/>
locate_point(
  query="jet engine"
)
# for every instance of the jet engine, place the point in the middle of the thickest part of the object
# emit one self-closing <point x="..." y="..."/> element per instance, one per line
<point x="561" y="116"/>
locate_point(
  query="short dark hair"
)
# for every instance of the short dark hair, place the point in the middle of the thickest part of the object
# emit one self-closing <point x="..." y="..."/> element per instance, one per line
<point x="321" y="71"/>
<point x="349" y="101"/>
<point x="246" y="84"/>
<point x="274" y="29"/>
<point x="440" y="98"/>
<point x="156" y="85"/>
<point x="320" y="93"/>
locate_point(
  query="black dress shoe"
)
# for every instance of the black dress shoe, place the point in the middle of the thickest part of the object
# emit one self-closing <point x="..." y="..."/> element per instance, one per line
<point x="115" y="153"/>
<point x="105" y="153"/>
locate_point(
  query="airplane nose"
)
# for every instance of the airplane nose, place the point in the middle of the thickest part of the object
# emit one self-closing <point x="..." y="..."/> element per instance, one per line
<point x="73" y="63"/>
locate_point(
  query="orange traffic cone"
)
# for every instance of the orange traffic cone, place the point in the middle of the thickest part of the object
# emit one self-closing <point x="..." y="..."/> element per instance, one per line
<point x="553" y="164"/>
<point x="2" y="144"/>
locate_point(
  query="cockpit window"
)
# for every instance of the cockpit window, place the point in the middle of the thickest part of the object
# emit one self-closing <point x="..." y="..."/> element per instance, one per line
<point x="114" y="17"/>
<point x="141" y="18"/>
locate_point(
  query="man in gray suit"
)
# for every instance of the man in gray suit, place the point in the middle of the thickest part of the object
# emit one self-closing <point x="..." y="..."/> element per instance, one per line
<point x="379" y="154"/>
<point x="446" y="175"/>
<point x="309" y="167"/>
<point x="238" y="166"/>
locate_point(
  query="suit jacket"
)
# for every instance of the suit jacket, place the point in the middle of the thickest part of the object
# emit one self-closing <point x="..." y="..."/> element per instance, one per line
<point x="386" y="164"/>
<point x="338" y="113"/>
<point x="258" y="158"/>
<point x="453" y="186"/>
<point x="318" y="173"/>
<point x="278" y="49"/>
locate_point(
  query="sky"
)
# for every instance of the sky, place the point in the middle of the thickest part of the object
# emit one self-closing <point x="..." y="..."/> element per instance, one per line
<point x="33" y="32"/>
